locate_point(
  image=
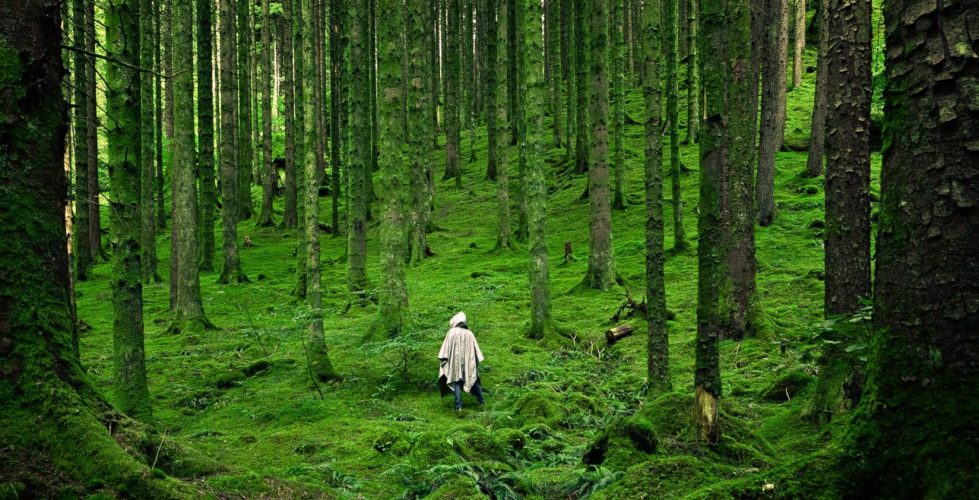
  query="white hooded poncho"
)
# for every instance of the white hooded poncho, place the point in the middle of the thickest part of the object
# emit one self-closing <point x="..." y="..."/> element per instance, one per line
<point x="459" y="356"/>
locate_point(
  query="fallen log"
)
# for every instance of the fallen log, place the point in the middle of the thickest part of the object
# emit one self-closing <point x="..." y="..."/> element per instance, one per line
<point x="618" y="332"/>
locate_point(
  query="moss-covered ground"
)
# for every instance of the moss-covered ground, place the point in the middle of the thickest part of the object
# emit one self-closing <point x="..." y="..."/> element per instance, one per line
<point x="565" y="417"/>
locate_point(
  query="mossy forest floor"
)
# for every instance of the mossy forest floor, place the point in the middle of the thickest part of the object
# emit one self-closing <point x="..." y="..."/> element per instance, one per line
<point x="242" y="394"/>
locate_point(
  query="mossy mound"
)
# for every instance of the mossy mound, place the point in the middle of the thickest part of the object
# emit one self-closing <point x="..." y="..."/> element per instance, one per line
<point x="538" y="407"/>
<point x="460" y="487"/>
<point x="624" y="442"/>
<point x="662" y="477"/>
<point x="788" y="385"/>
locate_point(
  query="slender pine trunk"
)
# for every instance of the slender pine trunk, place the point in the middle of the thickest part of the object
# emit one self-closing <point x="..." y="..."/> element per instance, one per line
<point x="205" y="124"/>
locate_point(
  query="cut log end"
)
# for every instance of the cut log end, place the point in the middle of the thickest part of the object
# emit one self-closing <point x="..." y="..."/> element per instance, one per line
<point x="615" y="333"/>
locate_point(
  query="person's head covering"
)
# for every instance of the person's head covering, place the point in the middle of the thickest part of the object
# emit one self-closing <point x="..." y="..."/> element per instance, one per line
<point x="458" y="319"/>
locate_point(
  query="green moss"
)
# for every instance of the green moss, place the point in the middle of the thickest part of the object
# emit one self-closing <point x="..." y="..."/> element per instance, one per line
<point x="538" y="407"/>
<point x="789" y="384"/>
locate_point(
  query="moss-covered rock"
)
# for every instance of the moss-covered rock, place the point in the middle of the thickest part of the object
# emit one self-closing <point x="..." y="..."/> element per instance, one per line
<point x="538" y="407"/>
<point x="625" y="442"/>
<point x="787" y="385"/>
<point x="661" y="477"/>
<point x="459" y="487"/>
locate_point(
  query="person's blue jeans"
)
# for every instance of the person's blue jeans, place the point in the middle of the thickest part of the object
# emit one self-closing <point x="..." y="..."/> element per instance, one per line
<point x="457" y="391"/>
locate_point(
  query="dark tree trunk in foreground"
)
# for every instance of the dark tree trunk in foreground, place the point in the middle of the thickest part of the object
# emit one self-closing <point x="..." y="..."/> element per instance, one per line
<point x="82" y="247"/>
<point x="123" y="132"/>
<point x="774" y="46"/>
<point x="148" y="180"/>
<point x="726" y="251"/>
<point x="188" y="311"/>
<point x="49" y="406"/>
<point x="817" y="144"/>
<point x="231" y="272"/>
<point x="534" y="89"/>
<point x="290" y="218"/>
<point x="266" y="170"/>
<point x="601" y="263"/>
<point x="319" y="356"/>
<point x="419" y="128"/>
<point x="849" y="88"/>
<point x="658" y="347"/>
<point x="360" y="154"/>
<point x="913" y="435"/>
<point x="393" y="291"/>
<point x="205" y="124"/>
<point x="673" y="118"/>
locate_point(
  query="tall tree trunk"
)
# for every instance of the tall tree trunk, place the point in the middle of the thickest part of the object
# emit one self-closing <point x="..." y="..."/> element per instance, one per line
<point x="468" y="93"/>
<point x="188" y="312"/>
<point x="534" y="89"/>
<point x="657" y="344"/>
<point x="847" y="239"/>
<point x="83" y="250"/>
<point x="511" y="69"/>
<point x="92" y="140"/>
<point x="266" y="169"/>
<point x="231" y="272"/>
<point x="503" y="239"/>
<point x="726" y="251"/>
<point x="319" y="357"/>
<point x="489" y="32"/>
<point x="451" y="58"/>
<point x="582" y="48"/>
<point x="799" y="40"/>
<point x="244" y="31"/>
<point x="205" y="123"/>
<point x="393" y="292"/>
<point x="122" y="37"/>
<point x="418" y="26"/>
<point x="161" y="213"/>
<point x="567" y="71"/>
<point x="673" y="117"/>
<point x="618" y="92"/>
<point x="693" y="73"/>
<point x="337" y="139"/>
<point x="774" y="49"/>
<point x="290" y="216"/>
<point x="435" y="35"/>
<point x="147" y="169"/>
<point x="519" y="126"/>
<point x="167" y="39"/>
<point x="319" y="100"/>
<point x="552" y="18"/>
<point x="909" y="437"/>
<point x="817" y="142"/>
<point x="360" y="135"/>
<point x="371" y="33"/>
<point x="601" y="262"/>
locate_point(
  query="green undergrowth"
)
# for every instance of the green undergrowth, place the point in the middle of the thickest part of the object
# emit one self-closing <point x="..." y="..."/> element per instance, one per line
<point x="565" y="417"/>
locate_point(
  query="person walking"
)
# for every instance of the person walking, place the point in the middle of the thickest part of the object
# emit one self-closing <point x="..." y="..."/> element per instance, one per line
<point x="459" y="360"/>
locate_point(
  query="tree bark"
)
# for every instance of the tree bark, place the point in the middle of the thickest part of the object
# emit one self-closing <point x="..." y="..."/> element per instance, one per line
<point x="161" y="213"/>
<point x="817" y="141"/>
<point x="167" y="22"/>
<point x="360" y="135"/>
<point x="657" y="344"/>
<point x="451" y="58"/>
<point x="726" y="250"/>
<point x="555" y="49"/>
<point x="419" y="24"/>
<point x="147" y="169"/>
<point x="774" y="48"/>
<point x="799" y="40"/>
<point x="582" y="49"/>
<point x="618" y="93"/>
<point x="290" y="217"/>
<point x="244" y="32"/>
<point x="567" y="71"/>
<point x="122" y="80"/>
<point x="92" y="140"/>
<point x="693" y="74"/>
<point x="847" y="239"/>
<point x="489" y="32"/>
<point x="267" y="170"/>
<point x="909" y="436"/>
<point x="205" y="124"/>
<point x="83" y="203"/>
<point x="673" y="117"/>
<point x="338" y="139"/>
<point x="601" y="261"/>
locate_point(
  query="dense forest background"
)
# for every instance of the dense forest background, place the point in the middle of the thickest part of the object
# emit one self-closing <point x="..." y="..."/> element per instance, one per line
<point x="709" y="249"/>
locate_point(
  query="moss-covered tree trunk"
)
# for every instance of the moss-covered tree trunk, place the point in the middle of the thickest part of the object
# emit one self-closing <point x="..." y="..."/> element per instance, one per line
<point x="489" y="32"/>
<point x="188" y="311"/>
<point x="205" y="134"/>
<point x="773" y="68"/>
<point x="512" y="28"/>
<point x="417" y="105"/>
<point x="582" y="117"/>
<point x="568" y="50"/>
<point x="92" y="139"/>
<point x="147" y="155"/>
<point x="534" y="89"/>
<point x="552" y="25"/>
<point x="49" y="408"/>
<point x="657" y="344"/>
<point x="671" y="37"/>
<point x="290" y="215"/>
<point x="451" y="64"/>
<point x="161" y="214"/>
<point x="167" y="42"/>
<point x="617" y="31"/>
<point x="319" y="100"/>
<point x="299" y="69"/>
<point x="266" y="169"/>
<point x="849" y="87"/>
<point x="726" y="251"/>
<point x="467" y="60"/>
<point x="337" y="139"/>
<point x="82" y="243"/>
<point x="244" y="30"/>
<point x="393" y="290"/>
<point x="817" y="142"/>
<point x="123" y="132"/>
<point x="319" y="357"/>
<point x="693" y="73"/>
<point x="913" y="434"/>
<point x="798" y="40"/>
<point x="231" y="272"/>
<point x="601" y="262"/>
<point x="503" y="238"/>
<point x="360" y="157"/>
<point x="435" y="41"/>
